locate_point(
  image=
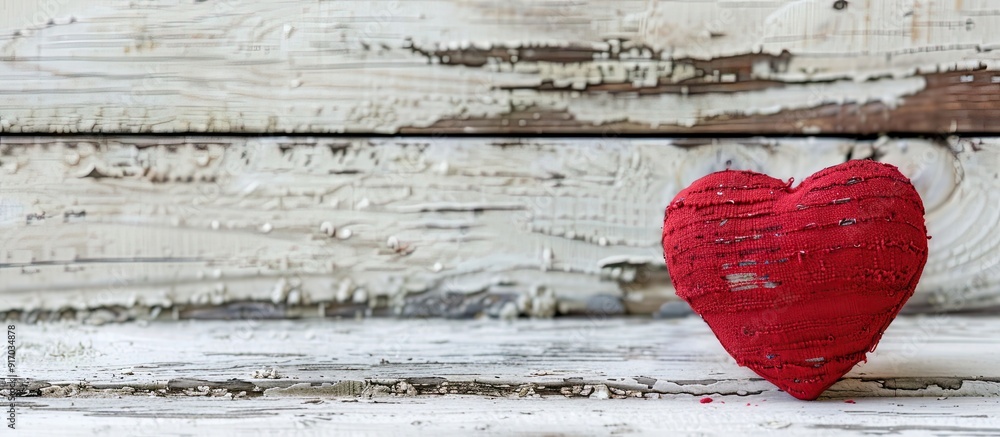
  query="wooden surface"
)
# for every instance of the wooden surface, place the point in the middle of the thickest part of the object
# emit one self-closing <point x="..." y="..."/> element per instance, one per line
<point x="327" y="230"/>
<point x="571" y="376"/>
<point x="448" y="66"/>
<point x="457" y="415"/>
<point x="112" y="228"/>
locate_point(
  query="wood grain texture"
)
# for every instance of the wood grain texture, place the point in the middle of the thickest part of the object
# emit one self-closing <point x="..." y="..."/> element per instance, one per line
<point x="116" y="228"/>
<point x="529" y="66"/>
<point x="582" y="376"/>
<point x="460" y="416"/>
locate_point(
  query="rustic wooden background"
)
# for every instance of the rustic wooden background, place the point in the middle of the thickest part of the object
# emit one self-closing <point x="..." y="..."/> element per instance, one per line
<point x="115" y="228"/>
<point x="428" y="223"/>
<point x="340" y="160"/>
<point x="489" y="67"/>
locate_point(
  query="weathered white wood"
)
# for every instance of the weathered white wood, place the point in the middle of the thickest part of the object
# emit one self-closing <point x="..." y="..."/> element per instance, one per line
<point x="929" y="375"/>
<point x="460" y="416"/>
<point x="918" y="356"/>
<point x="420" y="226"/>
<point x="602" y="66"/>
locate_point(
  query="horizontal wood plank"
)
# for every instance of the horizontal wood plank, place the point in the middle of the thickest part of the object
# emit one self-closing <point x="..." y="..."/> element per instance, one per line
<point x="567" y="376"/>
<point x="918" y="356"/>
<point x="460" y="416"/>
<point x="116" y="228"/>
<point x="447" y="66"/>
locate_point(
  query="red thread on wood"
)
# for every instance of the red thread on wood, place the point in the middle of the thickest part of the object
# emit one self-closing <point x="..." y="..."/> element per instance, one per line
<point x="798" y="284"/>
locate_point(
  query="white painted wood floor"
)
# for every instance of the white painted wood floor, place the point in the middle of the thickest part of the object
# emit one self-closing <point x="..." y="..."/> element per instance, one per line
<point x="934" y="375"/>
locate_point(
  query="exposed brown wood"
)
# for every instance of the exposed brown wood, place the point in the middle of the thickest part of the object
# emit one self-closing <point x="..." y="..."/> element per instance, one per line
<point x="956" y="101"/>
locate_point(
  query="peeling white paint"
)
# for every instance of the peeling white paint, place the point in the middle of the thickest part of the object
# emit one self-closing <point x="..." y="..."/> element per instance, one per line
<point x="690" y="110"/>
<point x="223" y="66"/>
<point x="499" y="221"/>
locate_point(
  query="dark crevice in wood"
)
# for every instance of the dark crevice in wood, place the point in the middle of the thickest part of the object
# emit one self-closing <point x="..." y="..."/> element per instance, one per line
<point x="483" y="386"/>
<point x="596" y="131"/>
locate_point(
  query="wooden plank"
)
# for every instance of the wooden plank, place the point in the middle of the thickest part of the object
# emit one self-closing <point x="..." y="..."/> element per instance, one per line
<point x="455" y="415"/>
<point x="930" y="374"/>
<point x="114" y="228"/>
<point x="918" y="356"/>
<point x="530" y="66"/>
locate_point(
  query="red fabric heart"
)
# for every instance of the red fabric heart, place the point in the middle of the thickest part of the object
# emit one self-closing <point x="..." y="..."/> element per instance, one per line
<point x="798" y="284"/>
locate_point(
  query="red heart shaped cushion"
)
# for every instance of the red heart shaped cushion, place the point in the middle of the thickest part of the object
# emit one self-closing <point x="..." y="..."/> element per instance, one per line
<point x="798" y="284"/>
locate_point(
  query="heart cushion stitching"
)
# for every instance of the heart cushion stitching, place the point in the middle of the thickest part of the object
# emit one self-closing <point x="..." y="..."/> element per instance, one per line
<point x="798" y="284"/>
